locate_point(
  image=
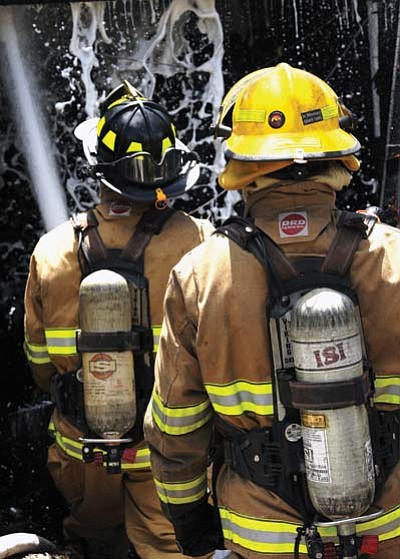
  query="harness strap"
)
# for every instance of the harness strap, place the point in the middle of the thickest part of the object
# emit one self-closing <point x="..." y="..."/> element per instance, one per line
<point x="251" y="238"/>
<point x="151" y="223"/>
<point x="92" y="245"/>
<point x="352" y="227"/>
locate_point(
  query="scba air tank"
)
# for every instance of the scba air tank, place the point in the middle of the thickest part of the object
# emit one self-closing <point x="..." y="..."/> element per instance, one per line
<point x="327" y="348"/>
<point x="108" y="374"/>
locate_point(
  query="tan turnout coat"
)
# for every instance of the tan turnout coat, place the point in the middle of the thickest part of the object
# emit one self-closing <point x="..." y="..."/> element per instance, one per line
<point x="96" y="498"/>
<point x="214" y="359"/>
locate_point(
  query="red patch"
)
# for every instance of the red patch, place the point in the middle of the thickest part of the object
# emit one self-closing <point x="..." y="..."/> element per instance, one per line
<point x="102" y="366"/>
<point x="292" y="224"/>
<point x="120" y="208"/>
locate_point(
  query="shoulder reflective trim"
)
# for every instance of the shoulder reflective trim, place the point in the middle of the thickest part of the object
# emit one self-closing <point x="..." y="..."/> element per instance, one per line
<point x="74" y="449"/>
<point x="156" y="337"/>
<point x="180" y="421"/>
<point x="182" y="493"/>
<point x="36" y="353"/>
<point x="267" y="536"/>
<point x="239" y="397"/>
<point x="61" y="341"/>
<point x="387" y="390"/>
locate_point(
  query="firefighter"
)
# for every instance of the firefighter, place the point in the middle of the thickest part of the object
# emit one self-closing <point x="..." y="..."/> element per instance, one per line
<point x="138" y="238"/>
<point x="290" y="149"/>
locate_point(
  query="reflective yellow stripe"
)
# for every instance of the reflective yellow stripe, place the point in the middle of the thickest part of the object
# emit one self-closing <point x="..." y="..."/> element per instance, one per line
<point x="74" y="449"/>
<point x="272" y="536"/>
<point x="61" y="341"/>
<point x="156" y="337"/>
<point x="387" y="390"/>
<point x="182" y="493"/>
<point x="36" y="353"/>
<point x="239" y="397"/>
<point x="180" y="421"/>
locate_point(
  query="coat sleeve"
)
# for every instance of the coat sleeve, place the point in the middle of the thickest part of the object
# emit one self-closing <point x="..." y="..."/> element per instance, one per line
<point x="178" y="424"/>
<point x="35" y="341"/>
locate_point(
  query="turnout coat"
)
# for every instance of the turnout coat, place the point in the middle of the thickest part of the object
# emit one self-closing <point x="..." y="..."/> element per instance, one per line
<point x="215" y="360"/>
<point x="96" y="498"/>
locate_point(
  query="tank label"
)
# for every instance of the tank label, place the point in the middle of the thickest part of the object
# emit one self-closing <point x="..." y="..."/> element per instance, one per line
<point x="286" y="346"/>
<point x="102" y="366"/>
<point x="108" y="375"/>
<point x="316" y="455"/>
<point x="327" y="355"/>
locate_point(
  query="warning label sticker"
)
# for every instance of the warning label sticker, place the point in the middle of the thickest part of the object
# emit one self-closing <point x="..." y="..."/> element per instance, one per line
<point x="316" y="455"/>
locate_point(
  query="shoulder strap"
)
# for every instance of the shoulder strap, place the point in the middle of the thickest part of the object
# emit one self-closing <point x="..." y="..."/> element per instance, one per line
<point x="352" y="227"/>
<point x="151" y="223"/>
<point x="249" y="237"/>
<point x="91" y="246"/>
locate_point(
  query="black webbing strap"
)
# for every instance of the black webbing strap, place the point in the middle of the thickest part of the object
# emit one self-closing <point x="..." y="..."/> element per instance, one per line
<point x="151" y="223"/>
<point x="351" y="228"/>
<point x="254" y="240"/>
<point x="92" y="246"/>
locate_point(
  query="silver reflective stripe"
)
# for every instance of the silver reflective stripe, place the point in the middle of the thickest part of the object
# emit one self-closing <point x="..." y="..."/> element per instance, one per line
<point x="239" y="397"/>
<point x="37" y="353"/>
<point x="182" y="493"/>
<point x="387" y="390"/>
<point x="61" y="341"/>
<point x="156" y="337"/>
<point x="180" y="421"/>
<point x="278" y="537"/>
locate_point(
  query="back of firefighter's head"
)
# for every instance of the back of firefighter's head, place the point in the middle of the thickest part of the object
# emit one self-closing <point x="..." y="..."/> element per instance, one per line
<point x="283" y="117"/>
<point x="137" y="152"/>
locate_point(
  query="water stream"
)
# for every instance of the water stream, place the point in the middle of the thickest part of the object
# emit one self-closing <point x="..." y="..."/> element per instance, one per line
<point x="33" y="132"/>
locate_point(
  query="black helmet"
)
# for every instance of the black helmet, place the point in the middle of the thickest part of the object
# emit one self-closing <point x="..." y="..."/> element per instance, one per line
<point x="136" y="152"/>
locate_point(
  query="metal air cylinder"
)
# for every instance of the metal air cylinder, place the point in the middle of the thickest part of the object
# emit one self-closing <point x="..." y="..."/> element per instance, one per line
<point x="108" y="375"/>
<point x="327" y="347"/>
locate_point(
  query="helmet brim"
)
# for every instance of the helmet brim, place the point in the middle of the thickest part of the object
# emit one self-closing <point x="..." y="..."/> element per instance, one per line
<point x="281" y="147"/>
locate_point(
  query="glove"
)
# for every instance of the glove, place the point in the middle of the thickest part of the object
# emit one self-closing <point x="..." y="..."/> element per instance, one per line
<point x="199" y="532"/>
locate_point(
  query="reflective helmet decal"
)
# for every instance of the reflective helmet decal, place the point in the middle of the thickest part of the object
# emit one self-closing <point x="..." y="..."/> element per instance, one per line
<point x="249" y="115"/>
<point x="134" y="146"/>
<point x="109" y="140"/>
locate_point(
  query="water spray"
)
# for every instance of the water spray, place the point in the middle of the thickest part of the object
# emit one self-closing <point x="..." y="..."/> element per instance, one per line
<point x="32" y="130"/>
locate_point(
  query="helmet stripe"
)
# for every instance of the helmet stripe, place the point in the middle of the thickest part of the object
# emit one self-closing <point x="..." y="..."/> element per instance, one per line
<point x="134" y="146"/>
<point x="166" y="143"/>
<point x="100" y="125"/>
<point x="109" y="140"/>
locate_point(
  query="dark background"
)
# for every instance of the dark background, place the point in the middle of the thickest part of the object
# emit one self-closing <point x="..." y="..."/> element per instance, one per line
<point x="334" y="39"/>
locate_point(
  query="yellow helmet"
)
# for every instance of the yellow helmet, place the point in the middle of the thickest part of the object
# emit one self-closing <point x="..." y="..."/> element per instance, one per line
<point x="285" y="114"/>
